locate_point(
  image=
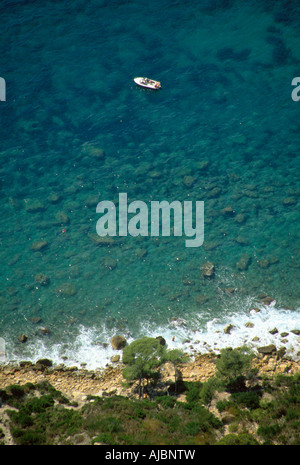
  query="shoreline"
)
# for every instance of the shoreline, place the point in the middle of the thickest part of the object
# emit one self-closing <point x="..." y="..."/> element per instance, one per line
<point x="77" y="383"/>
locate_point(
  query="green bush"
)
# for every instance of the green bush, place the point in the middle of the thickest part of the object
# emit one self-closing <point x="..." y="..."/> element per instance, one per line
<point x="242" y="439"/>
<point x="249" y="399"/>
<point x="20" y="418"/>
<point x="166" y="401"/>
<point x="39" y="404"/>
<point x="193" y="393"/>
<point x="105" y="438"/>
<point x="28" y="438"/>
<point x="207" y="390"/>
<point x="269" y="431"/>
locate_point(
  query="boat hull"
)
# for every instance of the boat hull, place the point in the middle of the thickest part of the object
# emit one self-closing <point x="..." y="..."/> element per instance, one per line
<point x="148" y="83"/>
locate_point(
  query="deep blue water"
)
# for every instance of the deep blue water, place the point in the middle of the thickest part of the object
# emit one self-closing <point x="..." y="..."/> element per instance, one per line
<point x="223" y="129"/>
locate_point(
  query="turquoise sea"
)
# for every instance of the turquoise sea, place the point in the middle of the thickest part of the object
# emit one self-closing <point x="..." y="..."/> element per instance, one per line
<point x="75" y="130"/>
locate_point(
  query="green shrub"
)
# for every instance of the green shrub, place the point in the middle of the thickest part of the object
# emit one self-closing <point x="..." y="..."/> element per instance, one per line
<point x="249" y="399"/>
<point x="16" y="391"/>
<point x="28" y="438"/>
<point x="193" y="391"/>
<point x="242" y="439"/>
<point x="39" y="404"/>
<point x="223" y="405"/>
<point x="207" y="390"/>
<point x="269" y="431"/>
<point x="20" y="418"/>
<point x="105" y="438"/>
<point x="166" y="401"/>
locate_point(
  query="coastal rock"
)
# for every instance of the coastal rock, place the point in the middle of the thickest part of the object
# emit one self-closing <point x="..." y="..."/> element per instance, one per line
<point x="67" y="290"/>
<point x="92" y="150"/>
<point x="115" y="358"/>
<point x="110" y="263"/>
<point x="267" y="350"/>
<point x="101" y="240"/>
<point x="188" y="181"/>
<point x="228" y="211"/>
<point x="208" y="269"/>
<point x="202" y="165"/>
<point x="273" y="331"/>
<point x="54" y="198"/>
<point x="244" y="262"/>
<point x="249" y="324"/>
<point x="39" y="245"/>
<point x="201" y="299"/>
<point x="266" y="300"/>
<point x="240" y="218"/>
<point x="118" y="342"/>
<point x="44" y="362"/>
<point x="296" y="331"/>
<point x="215" y="192"/>
<point x="62" y="218"/>
<point x="228" y="329"/>
<point x="34" y="205"/>
<point x="41" y="279"/>
<point x="22" y="338"/>
<point x="44" y="330"/>
<point x="288" y="201"/>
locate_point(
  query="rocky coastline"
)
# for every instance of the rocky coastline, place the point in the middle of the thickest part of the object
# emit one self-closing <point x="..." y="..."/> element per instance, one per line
<point x="78" y="383"/>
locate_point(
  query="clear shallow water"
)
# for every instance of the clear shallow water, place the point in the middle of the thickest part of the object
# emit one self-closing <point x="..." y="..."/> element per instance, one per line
<point x="223" y="129"/>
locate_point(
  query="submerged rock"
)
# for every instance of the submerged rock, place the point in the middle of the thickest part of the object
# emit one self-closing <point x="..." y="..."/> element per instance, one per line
<point x="244" y="262"/>
<point x="22" y="338"/>
<point x="39" y="245"/>
<point x="67" y="289"/>
<point x="208" y="269"/>
<point x="92" y="150"/>
<point x="62" y="218"/>
<point x="228" y="211"/>
<point x="54" y="198"/>
<point x="42" y="279"/>
<point x="188" y="181"/>
<point x="34" y="205"/>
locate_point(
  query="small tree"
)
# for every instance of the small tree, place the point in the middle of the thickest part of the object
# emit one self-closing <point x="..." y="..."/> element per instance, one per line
<point x="176" y="356"/>
<point x="142" y="357"/>
<point x="233" y="365"/>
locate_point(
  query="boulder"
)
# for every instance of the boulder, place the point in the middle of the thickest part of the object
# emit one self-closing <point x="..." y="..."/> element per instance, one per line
<point x="34" y="205"/>
<point x="39" y="245"/>
<point x="244" y="262"/>
<point x="62" y="217"/>
<point x="188" y="181"/>
<point x="115" y="358"/>
<point x="296" y="331"/>
<point x="118" y="342"/>
<point x="44" y="362"/>
<point x="67" y="290"/>
<point x="91" y="150"/>
<point x="208" y="269"/>
<point x="228" y="329"/>
<point x="228" y="211"/>
<point x="267" y="350"/>
<point x="22" y="338"/>
<point x="42" y="279"/>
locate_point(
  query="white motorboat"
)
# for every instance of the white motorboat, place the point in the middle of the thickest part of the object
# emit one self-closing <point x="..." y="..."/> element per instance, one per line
<point x="149" y="83"/>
